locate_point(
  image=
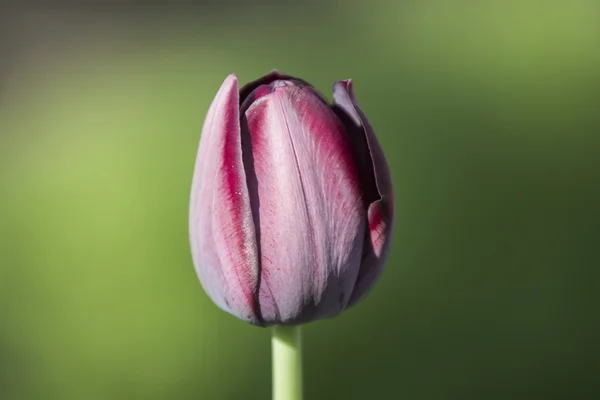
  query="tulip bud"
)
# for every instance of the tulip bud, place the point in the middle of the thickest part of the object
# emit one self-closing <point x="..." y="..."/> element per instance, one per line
<point x="292" y="210"/>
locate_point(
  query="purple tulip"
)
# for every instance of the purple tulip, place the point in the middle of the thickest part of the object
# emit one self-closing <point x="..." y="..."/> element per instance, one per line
<point x="292" y="210"/>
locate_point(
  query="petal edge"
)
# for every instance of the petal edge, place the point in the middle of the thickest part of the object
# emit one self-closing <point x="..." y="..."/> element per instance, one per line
<point x="381" y="211"/>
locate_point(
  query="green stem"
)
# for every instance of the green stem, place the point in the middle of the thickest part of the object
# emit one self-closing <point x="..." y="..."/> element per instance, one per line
<point x="287" y="363"/>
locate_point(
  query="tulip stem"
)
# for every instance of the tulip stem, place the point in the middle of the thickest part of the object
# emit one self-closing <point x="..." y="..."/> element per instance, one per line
<point x="287" y="363"/>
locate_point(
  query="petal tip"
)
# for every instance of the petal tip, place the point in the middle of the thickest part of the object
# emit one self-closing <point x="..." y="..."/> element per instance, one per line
<point x="232" y="79"/>
<point x="273" y="75"/>
<point x="346" y="85"/>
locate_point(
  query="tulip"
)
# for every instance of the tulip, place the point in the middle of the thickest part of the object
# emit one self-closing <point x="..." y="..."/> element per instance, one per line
<point x="292" y="211"/>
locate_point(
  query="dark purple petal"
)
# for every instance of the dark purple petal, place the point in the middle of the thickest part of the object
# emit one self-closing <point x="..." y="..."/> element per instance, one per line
<point x="311" y="216"/>
<point x="222" y="232"/>
<point x="272" y="76"/>
<point x="381" y="206"/>
<point x="251" y="91"/>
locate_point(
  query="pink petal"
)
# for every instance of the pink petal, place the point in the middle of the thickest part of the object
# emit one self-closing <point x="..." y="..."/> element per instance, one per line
<point x="311" y="214"/>
<point x="222" y="234"/>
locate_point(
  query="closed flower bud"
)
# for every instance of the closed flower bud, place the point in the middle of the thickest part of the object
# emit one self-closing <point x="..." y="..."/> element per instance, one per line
<point x="292" y="210"/>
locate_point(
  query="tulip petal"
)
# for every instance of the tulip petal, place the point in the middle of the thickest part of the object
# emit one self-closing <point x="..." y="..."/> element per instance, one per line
<point x="381" y="208"/>
<point x="272" y="76"/>
<point x="222" y="233"/>
<point x="311" y="213"/>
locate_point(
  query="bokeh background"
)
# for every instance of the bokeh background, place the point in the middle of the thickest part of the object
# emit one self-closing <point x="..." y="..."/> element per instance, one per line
<point x="489" y="112"/>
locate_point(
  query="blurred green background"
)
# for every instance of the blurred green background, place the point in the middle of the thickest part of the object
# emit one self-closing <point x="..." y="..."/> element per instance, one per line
<point x="489" y="113"/>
